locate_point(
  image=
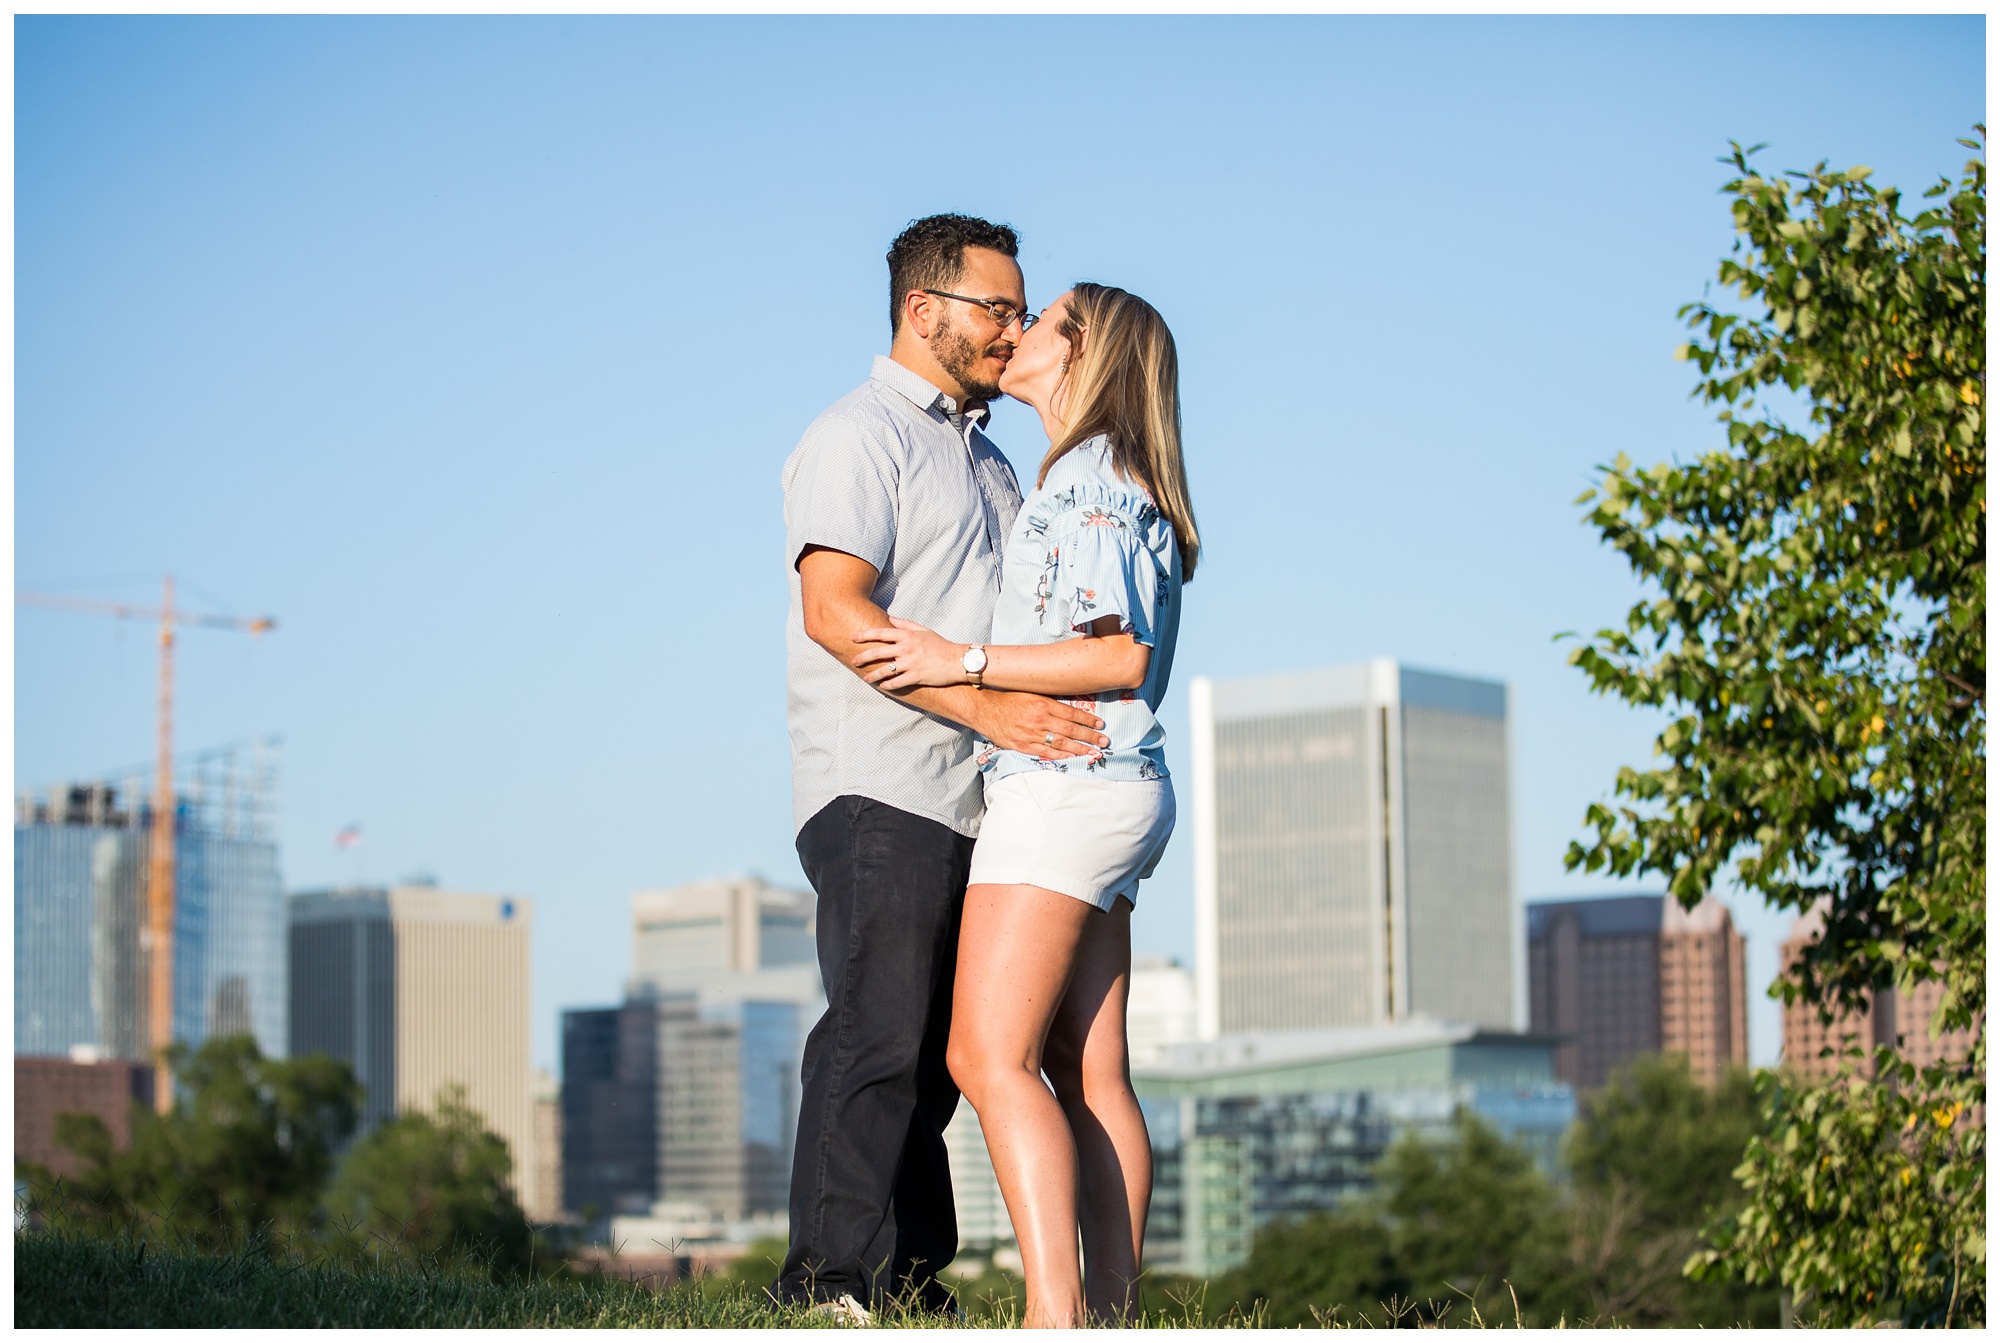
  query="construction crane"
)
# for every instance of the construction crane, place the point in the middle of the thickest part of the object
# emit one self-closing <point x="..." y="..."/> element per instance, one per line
<point x="158" y="936"/>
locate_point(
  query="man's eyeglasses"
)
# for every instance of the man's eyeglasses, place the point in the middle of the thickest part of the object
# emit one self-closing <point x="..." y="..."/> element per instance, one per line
<point x="998" y="309"/>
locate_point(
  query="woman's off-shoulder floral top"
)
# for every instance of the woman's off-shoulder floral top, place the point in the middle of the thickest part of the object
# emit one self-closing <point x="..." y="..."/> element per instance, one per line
<point x="1086" y="545"/>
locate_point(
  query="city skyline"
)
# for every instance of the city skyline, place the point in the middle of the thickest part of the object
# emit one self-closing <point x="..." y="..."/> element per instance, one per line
<point x="451" y="343"/>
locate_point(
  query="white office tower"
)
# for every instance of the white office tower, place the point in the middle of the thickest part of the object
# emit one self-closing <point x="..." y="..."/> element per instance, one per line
<point x="1352" y="856"/>
<point x="417" y="990"/>
<point x="727" y="941"/>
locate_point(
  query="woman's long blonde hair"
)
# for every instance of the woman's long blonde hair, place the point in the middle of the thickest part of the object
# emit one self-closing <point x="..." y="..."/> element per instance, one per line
<point x="1124" y="382"/>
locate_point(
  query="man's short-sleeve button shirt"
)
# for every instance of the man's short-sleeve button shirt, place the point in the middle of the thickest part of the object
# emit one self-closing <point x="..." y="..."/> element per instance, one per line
<point x="894" y="474"/>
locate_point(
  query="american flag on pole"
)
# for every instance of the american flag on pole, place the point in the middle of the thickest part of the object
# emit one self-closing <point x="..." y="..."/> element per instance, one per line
<point x="349" y="838"/>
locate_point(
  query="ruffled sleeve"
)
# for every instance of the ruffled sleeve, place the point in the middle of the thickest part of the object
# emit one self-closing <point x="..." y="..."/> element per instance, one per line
<point x="1101" y="562"/>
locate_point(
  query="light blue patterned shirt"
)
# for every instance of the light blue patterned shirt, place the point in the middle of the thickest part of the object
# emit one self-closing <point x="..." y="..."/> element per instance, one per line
<point x="1086" y="545"/>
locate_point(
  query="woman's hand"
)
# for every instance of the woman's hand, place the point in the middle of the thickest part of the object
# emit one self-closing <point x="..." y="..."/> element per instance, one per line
<point x="909" y="656"/>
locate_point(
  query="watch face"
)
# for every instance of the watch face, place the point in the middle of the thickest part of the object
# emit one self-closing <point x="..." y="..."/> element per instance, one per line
<point x="975" y="659"/>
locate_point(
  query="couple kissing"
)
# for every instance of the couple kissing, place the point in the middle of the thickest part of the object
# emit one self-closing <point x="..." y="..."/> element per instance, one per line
<point x="979" y="775"/>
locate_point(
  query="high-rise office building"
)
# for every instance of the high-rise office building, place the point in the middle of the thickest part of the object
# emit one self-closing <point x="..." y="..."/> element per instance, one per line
<point x="681" y="1106"/>
<point x="1622" y="976"/>
<point x="736" y="938"/>
<point x="1594" y="982"/>
<point x="728" y="1105"/>
<point x="725" y="984"/>
<point x="735" y="967"/>
<point x="1704" y="1005"/>
<point x="1351" y="851"/>
<point x="1915" y="1009"/>
<point x="419" y="990"/>
<point x="610" y="1101"/>
<point x="1817" y="1049"/>
<point x="80" y="958"/>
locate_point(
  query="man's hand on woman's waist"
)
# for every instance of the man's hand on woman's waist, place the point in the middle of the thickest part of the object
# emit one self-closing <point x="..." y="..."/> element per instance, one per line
<point x="837" y="597"/>
<point x="1035" y="725"/>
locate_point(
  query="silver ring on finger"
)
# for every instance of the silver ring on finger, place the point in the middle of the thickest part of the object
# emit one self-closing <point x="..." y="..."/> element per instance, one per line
<point x="1048" y="739"/>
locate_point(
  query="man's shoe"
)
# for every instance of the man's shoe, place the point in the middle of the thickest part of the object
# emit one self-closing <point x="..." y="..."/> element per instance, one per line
<point x="845" y="1310"/>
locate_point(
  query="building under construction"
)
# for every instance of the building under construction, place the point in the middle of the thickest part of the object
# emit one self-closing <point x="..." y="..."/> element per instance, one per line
<point x="81" y="949"/>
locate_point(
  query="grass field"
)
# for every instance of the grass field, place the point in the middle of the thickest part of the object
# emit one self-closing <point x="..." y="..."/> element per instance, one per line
<point x="65" y="1282"/>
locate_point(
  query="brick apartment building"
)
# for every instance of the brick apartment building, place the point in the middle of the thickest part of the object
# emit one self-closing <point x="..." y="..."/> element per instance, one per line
<point x="1901" y="1019"/>
<point x="47" y="1087"/>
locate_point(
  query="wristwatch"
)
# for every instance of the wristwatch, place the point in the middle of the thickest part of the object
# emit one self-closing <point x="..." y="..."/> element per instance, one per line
<point x="974" y="663"/>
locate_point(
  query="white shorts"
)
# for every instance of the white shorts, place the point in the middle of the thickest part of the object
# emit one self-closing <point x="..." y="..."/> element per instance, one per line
<point x="1088" y="838"/>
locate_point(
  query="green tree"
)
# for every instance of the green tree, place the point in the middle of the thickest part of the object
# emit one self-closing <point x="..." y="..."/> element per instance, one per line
<point x="1869" y="1201"/>
<point x="431" y="1187"/>
<point x="1819" y="635"/>
<point x="1323" y="1267"/>
<point x="1651" y="1161"/>
<point x="1472" y="1221"/>
<point x="1454" y="1224"/>
<point x="245" y="1151"/>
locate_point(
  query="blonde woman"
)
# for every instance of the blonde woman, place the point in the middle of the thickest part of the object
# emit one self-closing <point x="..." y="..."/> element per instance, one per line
<point x="1089" y="610"/>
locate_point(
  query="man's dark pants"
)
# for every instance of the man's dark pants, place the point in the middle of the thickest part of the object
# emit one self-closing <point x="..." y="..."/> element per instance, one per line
<point x="871" y="1209"/>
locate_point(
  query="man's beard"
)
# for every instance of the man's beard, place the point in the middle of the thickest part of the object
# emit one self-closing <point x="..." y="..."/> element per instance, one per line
<point x="959" y="357"/>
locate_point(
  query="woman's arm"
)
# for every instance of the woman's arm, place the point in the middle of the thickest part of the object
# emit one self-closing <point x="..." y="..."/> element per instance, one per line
<point x="911" y="655"/>
<point x="836" y="591"/>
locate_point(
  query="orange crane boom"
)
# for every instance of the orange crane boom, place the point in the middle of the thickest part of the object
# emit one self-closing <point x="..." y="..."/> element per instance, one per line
<point x="158" y="937"/>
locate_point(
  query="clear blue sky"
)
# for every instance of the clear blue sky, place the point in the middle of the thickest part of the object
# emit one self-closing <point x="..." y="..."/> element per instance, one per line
<point x="471" y="349"/>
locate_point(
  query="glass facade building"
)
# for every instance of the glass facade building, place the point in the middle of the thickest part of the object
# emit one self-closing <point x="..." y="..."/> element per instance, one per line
<point x="1251" y="1129"/>
<point x="610" y="1102"/>
<point x="80" y="964"/>
<point x="729" y="1105"/>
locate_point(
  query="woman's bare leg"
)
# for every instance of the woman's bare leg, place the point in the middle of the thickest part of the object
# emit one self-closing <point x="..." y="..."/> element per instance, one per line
<point x="1015" y="949"/>
<point x="1086" y="1061"/>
